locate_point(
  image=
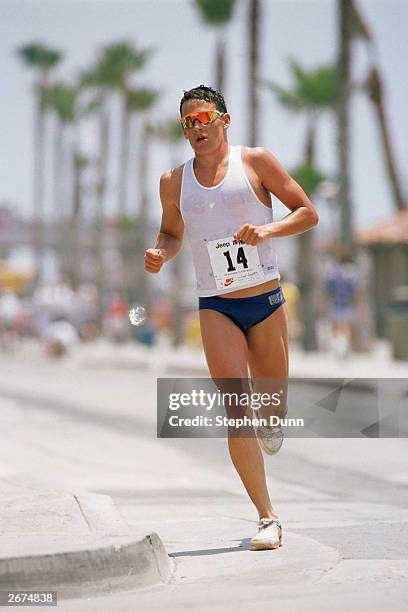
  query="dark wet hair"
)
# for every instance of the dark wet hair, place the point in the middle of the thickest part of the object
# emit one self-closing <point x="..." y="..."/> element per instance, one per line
<point x="202" y="92"/>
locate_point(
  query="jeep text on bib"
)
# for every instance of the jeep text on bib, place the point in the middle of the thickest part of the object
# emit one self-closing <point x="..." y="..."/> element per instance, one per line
<point x="234" y="263"/>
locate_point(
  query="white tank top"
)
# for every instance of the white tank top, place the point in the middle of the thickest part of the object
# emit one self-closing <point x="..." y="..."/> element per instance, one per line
<point x="211" y="216"/>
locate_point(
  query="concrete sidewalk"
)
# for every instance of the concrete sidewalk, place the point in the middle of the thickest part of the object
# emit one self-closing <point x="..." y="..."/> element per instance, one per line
<point x="345" y="536"/>
<point x="73" y="544"/>
<point x="333" y="557"/>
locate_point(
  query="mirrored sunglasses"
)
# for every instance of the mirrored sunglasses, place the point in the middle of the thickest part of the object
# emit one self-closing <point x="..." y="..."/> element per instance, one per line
<point x="204" y="117"/>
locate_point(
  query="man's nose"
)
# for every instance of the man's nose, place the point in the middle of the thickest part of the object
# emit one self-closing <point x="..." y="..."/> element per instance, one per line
<point x="196" y="123"/>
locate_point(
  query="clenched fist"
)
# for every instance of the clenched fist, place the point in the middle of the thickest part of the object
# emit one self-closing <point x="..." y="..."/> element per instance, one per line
<point x="154" y="259"/>
<point x="251" y="234"/>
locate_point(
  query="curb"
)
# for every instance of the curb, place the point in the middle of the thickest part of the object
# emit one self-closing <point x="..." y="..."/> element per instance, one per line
<point x="198" y="371"/>
<point x="92" y="570"/>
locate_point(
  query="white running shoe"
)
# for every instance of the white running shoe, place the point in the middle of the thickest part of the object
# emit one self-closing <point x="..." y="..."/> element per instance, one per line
<point x="270" y="438"/>
<point x="269" y="535"/>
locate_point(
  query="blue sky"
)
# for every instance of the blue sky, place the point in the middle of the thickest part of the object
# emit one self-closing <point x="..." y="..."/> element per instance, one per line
<point x="184" y="57"/>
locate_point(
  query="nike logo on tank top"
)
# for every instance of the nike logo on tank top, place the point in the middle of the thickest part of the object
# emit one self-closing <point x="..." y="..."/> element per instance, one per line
<point x="211" y="216"/>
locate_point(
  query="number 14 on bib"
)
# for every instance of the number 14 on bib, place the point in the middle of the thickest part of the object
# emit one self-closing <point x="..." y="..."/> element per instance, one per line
<point x="234" y="263"/>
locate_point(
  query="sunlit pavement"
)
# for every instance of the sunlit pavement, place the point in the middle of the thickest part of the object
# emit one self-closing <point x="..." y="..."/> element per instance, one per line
<point x="342" y="501"/>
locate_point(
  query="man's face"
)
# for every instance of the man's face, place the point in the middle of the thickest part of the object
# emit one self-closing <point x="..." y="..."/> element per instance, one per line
<point x="205" y="139"/>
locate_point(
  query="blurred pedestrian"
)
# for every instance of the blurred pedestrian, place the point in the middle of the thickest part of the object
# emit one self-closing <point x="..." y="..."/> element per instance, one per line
<point x="116" y="322"/>
<point x="59" y="338"/>
<point x="342" y="287"/>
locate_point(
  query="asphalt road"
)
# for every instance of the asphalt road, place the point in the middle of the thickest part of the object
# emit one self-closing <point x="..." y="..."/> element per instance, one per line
<point x="342" y="500"/>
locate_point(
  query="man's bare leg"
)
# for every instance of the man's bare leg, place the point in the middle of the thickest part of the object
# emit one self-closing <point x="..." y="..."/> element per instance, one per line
<point x="226" y="352"/>
<point x="268" y="359"/>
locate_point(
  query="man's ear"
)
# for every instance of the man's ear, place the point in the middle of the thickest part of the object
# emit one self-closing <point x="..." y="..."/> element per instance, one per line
<point x="227" y="123"/>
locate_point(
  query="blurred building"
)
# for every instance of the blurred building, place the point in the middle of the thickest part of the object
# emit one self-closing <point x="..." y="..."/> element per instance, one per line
<point x="387" y="245"/>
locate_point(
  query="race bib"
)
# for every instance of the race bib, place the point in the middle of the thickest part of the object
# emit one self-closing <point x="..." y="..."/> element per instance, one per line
<point x="234" y="263"/>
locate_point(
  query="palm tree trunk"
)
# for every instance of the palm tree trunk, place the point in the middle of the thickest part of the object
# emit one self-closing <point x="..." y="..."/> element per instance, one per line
<point x="102" y="172"/>
<point x="58" y="195"/>
<point x="306" y="270"/>
<point x="178" y="276"/>
<point x="135" y="278"/>
<point x="220" y="59"/>
<point x="254" y="21"/>
<point x="103" y="157"/>
<point x="38" y="179"/>
<point x="376" y="91"/>
<point x="343" y="122"/>
<point x="61" y="200"/>
<point x="124" y="162"/>
<point x="76" y="255"/>
<point x="143" y="212"/>
<point x="58" y="184"/>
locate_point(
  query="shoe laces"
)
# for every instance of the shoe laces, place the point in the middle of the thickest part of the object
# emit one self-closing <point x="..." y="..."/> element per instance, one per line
<point x="266" y="522"/>
<point x="271" y="432"/>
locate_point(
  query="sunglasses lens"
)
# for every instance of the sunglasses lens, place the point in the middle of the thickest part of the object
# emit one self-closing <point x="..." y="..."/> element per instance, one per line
<point x="207" y="117"/>
<point x="184" y="122"/>
<point x="204" y="117"/>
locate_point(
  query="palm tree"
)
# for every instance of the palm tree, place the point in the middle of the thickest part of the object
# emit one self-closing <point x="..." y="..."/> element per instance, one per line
<point x="108" y="75"/>
<point x="253" y="36"/>
<point x="125" y="59"/>
<point x="309" y="178"/>
<point x="218" y="13"/>
<point x="133" y="60"/>
<point x="375" y="89"/>
<point x="352" y="25"/>
<point x="42" y="59"/>
<point x="60" y="99"/>
<point x="138" y="102"/>
<point x="313" y="93"/>
<point x="373" y="85"/>
<point x="345" y="20"/>
<point x="64" y="101"/>
<point x="169" y="131"/>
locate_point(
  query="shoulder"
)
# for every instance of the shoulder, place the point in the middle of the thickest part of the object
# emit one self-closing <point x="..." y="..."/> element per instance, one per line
<point x="171" y="177"/>
<point x="170" y="184"/>
<point x="260" y="159"/>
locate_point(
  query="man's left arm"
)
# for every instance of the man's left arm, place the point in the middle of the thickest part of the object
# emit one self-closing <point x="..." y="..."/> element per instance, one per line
<point x="274" y="178"/>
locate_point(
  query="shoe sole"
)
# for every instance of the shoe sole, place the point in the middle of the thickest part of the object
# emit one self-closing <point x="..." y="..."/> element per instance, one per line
<point x="260" y="546"/>
<point x="265" y="547"/>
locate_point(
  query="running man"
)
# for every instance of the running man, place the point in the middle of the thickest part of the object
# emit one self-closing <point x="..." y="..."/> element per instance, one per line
<point x="222" y="198"/>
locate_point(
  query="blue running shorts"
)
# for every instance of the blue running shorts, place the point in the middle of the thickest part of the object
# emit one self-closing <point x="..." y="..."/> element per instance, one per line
<point x="247" y="311"/>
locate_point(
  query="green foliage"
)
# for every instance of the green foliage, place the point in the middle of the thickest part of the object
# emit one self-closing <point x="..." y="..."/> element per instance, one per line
<point x="114" y="64"/>
<point x="317" y="88"/>
<point x="286" y="97"/>
<point x="216" y="12"/>
<point x="313" y="89"/>
<point x="308" y="177"/>
<point x="92" y="105"/>
<point x="141" y="99"/>
<point x="62" y="99"/>
<point x="81" y="161"/>
<point x="128" y="225"/>
<point x="39" y="56"/>
<point x="168" y="130"/>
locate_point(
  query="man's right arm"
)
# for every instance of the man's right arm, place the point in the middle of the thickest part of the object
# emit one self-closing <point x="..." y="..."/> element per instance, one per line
<point x="171" y="232"/>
